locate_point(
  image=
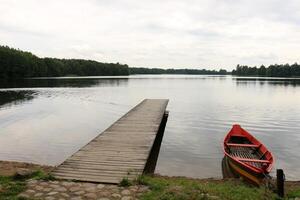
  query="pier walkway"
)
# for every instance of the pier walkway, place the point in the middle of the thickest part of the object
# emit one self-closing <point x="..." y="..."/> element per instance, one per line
<point x="122" y="150"/>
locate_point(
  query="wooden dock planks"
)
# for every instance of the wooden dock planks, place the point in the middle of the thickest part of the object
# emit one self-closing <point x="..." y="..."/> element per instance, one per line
<point x="121" y="150"/>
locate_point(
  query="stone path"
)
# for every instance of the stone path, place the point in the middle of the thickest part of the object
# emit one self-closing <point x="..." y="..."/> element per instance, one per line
<point x="63" y="190"/>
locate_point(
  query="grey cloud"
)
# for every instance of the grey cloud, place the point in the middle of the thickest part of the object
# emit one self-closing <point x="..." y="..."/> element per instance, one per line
<point x="171" y="33"/>
<point x="20" y="30"/>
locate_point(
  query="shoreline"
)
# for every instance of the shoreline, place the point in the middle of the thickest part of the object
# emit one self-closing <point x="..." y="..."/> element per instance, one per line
<point x="37" y="182"/>
<point x="10" y="168"/>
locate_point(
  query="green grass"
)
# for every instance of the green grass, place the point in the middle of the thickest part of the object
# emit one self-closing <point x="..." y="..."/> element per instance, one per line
<point x="164" y="188"/>
<point x="38" y="175"/>
<point x="11" y="186"/>
<point x="125" y="182"/>
<point x="41" y="175"/>
<point x="294" y="192"/>
<point x="187" y="189"/>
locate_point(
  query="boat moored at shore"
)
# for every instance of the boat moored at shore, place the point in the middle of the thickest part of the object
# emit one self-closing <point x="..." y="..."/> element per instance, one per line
<point x="247" y="156"/>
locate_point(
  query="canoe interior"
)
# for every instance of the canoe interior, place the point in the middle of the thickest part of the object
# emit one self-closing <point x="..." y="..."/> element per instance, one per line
<point x="245" y="152"/>
<point x="239" y="140"/>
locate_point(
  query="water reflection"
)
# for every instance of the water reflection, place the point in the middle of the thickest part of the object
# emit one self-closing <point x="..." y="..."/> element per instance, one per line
<point x="264" y="80"/>
<point x="63" y="82"/>
<point x="227" y="171"/>
<point x="66" y="113"/>
<point x="15" y="97"/>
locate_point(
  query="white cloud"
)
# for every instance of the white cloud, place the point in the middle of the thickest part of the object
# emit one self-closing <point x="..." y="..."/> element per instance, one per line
<point x="177" y="33"/>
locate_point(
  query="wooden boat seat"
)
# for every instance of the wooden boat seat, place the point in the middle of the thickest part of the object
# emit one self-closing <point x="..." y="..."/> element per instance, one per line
<point x="242" y="145"/>
<point x="253" y="160"/>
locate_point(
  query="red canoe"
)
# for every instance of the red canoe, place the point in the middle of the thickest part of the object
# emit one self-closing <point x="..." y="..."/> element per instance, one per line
<point x="247" y="156"/>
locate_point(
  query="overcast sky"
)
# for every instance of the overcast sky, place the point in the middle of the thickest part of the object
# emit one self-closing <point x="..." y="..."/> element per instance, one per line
<point x="208" y="34"/>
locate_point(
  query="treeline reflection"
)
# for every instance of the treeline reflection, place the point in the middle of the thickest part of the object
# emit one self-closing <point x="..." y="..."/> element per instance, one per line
<point x="15" y="97"/>
<point x="72" y="82"/>
<point x="269" y="81"/>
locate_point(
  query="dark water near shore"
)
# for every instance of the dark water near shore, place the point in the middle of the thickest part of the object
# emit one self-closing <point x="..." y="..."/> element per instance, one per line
<point x="46" y="120"/>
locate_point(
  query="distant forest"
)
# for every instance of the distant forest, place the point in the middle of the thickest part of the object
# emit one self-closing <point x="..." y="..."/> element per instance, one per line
<point x="141" y="70"/>
<point x="272" y="71"/>
<point x="15" y="63"/>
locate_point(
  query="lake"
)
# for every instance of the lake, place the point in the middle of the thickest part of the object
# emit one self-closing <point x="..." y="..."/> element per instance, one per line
<point x="44" y="121"/>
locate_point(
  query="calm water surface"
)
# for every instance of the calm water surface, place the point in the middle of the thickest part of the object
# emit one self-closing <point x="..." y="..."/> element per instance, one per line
<point x="46" y="120"/>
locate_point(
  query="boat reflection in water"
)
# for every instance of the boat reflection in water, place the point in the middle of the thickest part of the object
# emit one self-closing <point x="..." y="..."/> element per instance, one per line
<point x="229" y="172"/>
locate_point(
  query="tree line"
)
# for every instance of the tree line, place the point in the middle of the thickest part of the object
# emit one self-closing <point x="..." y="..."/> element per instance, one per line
<point x="272" y="70"/>
<point x="141" y="70"/>
<point x="15" y="63"/>
<point x="18" y="64"/>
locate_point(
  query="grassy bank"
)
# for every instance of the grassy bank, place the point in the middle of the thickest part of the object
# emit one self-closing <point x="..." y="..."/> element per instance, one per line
<point x="166" y="188"/>
<point x="11" y="186"/>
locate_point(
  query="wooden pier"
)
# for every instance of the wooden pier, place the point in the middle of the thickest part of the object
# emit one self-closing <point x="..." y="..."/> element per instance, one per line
<point x="121" y="151"/>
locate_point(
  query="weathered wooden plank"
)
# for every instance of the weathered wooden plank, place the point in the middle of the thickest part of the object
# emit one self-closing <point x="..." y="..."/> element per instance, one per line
<point x="121" y="150"/>
<point x="111" y="158"/>
<point x="109" y="163"/>
<point x="102" y="167"/>
<point x="92" y="150"/>
<point x="93" y="177"/>
<point x="121" y="173"/>
<point x="95" y="173"/>
<point x="112" y="155"/>
<point x="136" y="161"/>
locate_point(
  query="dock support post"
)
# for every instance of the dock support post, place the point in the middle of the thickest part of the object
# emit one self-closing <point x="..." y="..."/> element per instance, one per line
<point x="152" y="159"/>
<point x="280" y="182"/>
